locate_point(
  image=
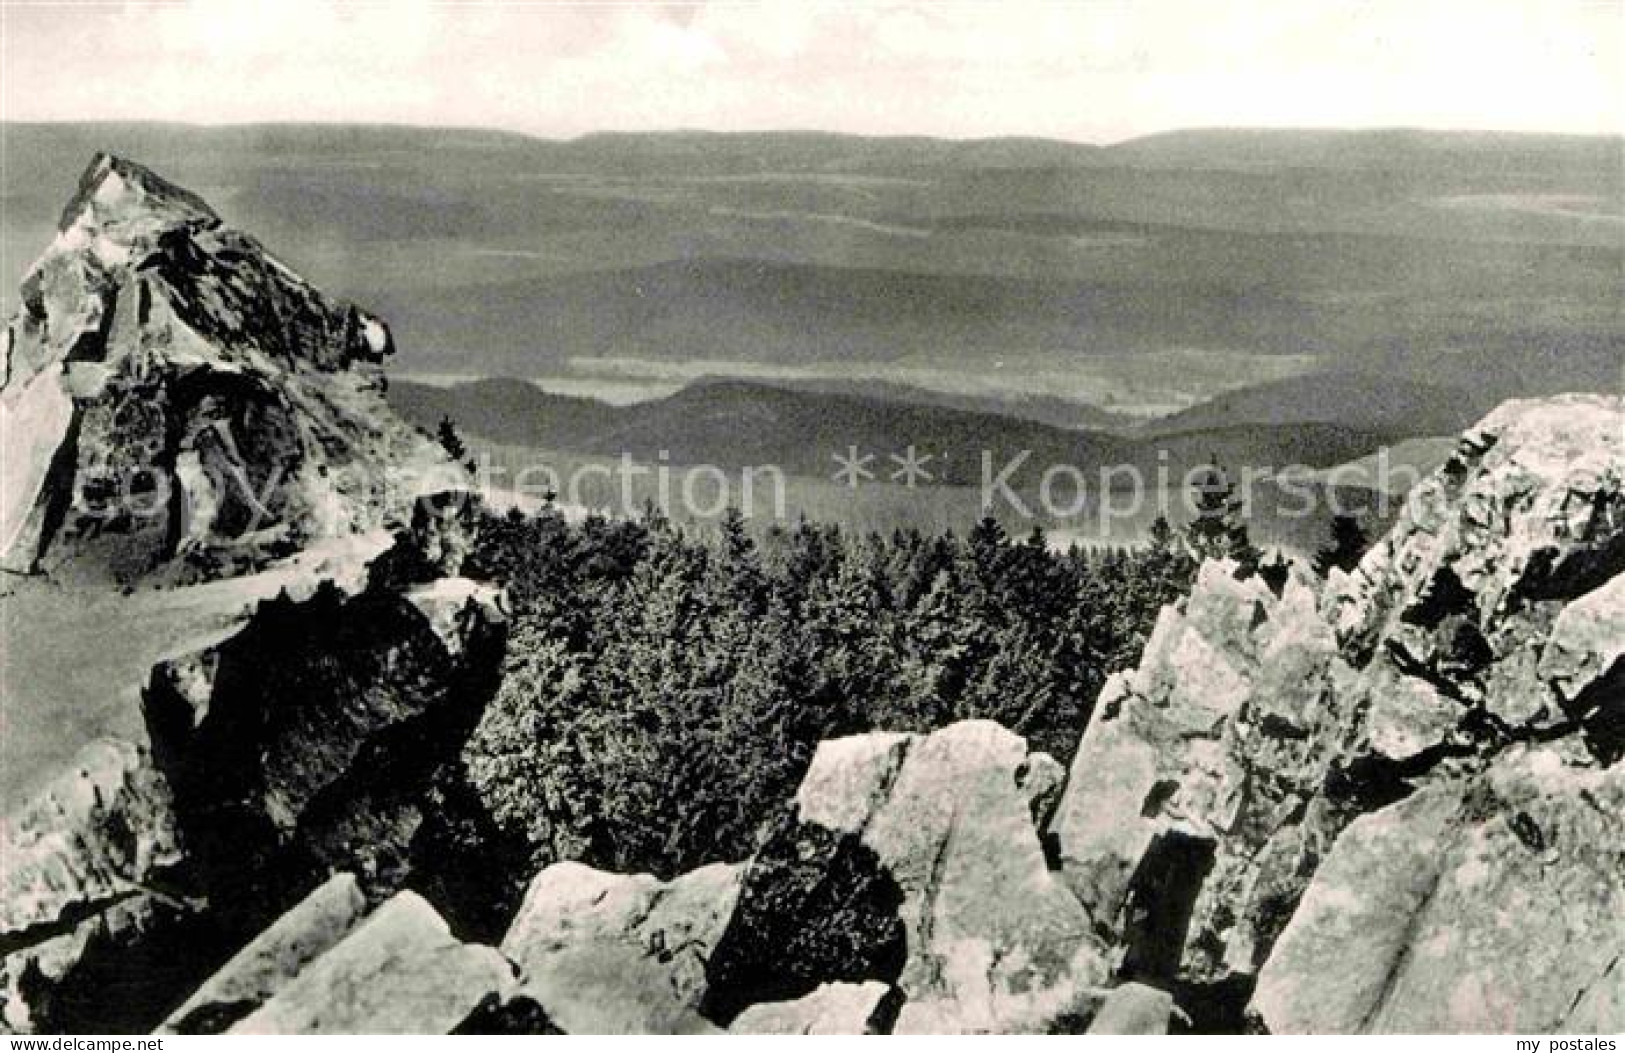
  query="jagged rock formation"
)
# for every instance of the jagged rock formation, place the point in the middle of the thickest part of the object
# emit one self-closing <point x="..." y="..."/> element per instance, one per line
<point x="914" y="860"/>
<point x="1459" y="689"/>
<point x="320" y="737"/>
<point x="621" y="954"/>
<point x="400" y="972"/>
<point x="1494" y="902"/>
<point x="102" y="832"/>
<point x="307" y="740"/>
<point x="169" y="388"/>
<point x="1391" y="801"/>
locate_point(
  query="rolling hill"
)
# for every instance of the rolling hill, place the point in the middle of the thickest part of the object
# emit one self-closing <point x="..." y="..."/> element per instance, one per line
<point x="1387" y="404"/>
<point x="1481" y="262"/>
<point x="736" y="424"/>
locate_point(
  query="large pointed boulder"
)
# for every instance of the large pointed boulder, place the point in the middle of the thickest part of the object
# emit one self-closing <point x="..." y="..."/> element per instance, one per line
<point x="995" y="942"/>
<point x="175" y="390"/>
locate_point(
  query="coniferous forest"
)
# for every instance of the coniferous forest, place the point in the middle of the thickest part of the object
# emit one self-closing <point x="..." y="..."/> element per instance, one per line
<point x="666" y="688"/>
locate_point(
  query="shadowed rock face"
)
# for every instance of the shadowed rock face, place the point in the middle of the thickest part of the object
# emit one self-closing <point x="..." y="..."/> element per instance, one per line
<point x="171" y="389"/>
<point x="815" y="907"/>
<point x="1470" y="662"/>
<point x="86" y="870"/>
<point x="310" y="740"/>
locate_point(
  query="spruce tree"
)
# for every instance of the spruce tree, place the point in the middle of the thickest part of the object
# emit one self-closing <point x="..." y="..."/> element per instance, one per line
<point x="450" y="441"/>
<point x="1218" y="530"/>
<point x="1349" y="543"/>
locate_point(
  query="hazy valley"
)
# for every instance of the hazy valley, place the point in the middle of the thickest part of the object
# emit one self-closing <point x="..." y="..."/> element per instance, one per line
<point x="1139" y="278"/>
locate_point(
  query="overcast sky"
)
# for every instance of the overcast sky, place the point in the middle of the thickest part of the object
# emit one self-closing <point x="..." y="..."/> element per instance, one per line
<point x="1095" y="70"/>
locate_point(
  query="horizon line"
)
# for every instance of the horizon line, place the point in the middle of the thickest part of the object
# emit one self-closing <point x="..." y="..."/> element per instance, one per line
<point x="689" y="130"/>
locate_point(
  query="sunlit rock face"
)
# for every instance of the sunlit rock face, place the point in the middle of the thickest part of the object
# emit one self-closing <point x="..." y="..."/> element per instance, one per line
<point x="1490" y="903"/>
<point x="401" y="971"/>
<point x="609" y="953"/>
<point x="958" y="819"/>
<point x="1292" y="762"/>
<point x="170" y="389"/>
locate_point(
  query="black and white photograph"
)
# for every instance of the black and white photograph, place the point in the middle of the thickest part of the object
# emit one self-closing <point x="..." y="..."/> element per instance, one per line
<point x="812" y="517"/>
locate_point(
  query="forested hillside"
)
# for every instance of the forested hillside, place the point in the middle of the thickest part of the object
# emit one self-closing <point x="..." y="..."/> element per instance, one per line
<point x="664" y="690"/>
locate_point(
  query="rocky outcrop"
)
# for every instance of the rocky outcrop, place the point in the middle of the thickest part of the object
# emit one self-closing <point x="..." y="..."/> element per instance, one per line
<point x="1471" y="660"/>
<point x="1221" y="736"/>
<point x="177" y="391"/>
<point x="102" y="832"/>
<point x="994" y="940"/>
<point x="910" y="891"/>
<point x="272" y="959"/>
<point x="1390" y="801"/>
<point x="621" y="954"/>
<point x="192" y="408"/>
<point x="400" y="972"/>
<point x="321" y="737"/>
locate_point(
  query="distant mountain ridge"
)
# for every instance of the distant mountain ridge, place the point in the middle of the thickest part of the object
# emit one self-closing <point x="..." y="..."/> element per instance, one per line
<point x="737" y="424"/>
<point x="1356" y="400"/>
<point x="1481" y="261"/>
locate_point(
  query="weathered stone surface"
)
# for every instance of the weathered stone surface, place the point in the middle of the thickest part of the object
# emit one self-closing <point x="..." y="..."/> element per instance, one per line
<point x="995" y="942"/>
<point x="833" y="1009"/>
<point x="100" y="833"/>
<point x="1530" y="508"/>
<point x="1494" y="903"/>
<point x="86" y="870"/>
<point x="245" y="398"/>
<point x="400" y="972"/>
<point x="1191" y="762"/>
<point x="36" y="418"/>
<point x="1587" y="644"/>
<point x="155" y="345"/>
<point x="1133" y="1009"/>
<point x="272" y="959"/>
<point x="621" y="954"/>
